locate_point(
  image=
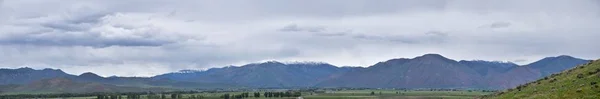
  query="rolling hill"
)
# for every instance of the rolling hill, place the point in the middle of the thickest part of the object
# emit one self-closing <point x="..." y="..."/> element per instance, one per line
<point x="580" y="82"/>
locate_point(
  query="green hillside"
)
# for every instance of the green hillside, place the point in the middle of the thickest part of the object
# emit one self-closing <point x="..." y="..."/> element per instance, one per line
<point x="576" y="83"/>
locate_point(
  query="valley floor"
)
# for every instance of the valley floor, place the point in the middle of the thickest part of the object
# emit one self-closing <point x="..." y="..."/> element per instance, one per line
<point x="354" y="94"/>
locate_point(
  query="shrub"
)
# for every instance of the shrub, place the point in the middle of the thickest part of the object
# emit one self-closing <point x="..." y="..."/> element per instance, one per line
<point x="579" y="75"/>
<point x="553" y="80"/>
<point x="553" y="75"/>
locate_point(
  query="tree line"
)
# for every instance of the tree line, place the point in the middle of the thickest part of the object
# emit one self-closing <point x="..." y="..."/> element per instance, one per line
<point x="265" y="94"/>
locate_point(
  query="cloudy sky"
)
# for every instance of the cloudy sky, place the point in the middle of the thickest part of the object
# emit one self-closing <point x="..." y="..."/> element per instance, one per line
<point x="149" y="37"/>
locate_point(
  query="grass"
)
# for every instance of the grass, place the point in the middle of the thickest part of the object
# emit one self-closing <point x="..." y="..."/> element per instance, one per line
<point x="355" y="94"/>
<point x="576" y="83"/>
<point x="391" y="94"/>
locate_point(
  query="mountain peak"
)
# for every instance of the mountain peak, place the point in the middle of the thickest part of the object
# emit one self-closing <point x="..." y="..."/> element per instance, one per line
<point x="432" y="56"/>
<point x="565" y="56"/>
<point x="556" y="58"/>
<point x="551" y="65"/>
<point x="26" y="68"/>
<point x="90" y="75"/>
<point x="268" y="63"/>
<point x="272" y="62"/>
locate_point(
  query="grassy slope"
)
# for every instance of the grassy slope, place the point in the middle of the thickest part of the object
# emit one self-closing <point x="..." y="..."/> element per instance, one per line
<point x="564" y="85"/>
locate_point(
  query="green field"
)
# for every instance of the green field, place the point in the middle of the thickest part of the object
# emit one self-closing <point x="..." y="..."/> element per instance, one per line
<point x="391" y="94"/>
<point x="352" y="94"/>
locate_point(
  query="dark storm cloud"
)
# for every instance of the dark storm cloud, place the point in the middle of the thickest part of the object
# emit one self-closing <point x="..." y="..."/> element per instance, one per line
<point x="78" y="39"/>
<point x="315" y="30"/>
<point x="296" y="28"/>
<point x="398" y="39"/>
<point x="430" y="37"/>
<point x="83" y="30"/>
<point x="497" y="25"/>
<point x="334" y="34"/>
<point x="75" y="24"/>
<point x="436" y="33"/>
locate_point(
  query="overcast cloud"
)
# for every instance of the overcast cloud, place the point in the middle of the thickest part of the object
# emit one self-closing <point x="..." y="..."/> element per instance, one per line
<point x="149" y="37"/>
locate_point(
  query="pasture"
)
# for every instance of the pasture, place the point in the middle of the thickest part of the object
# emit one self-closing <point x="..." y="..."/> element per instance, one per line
<point x="343" y="94"/>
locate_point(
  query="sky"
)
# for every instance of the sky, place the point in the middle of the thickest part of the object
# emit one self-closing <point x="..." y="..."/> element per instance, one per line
<point x="150" y="37"/>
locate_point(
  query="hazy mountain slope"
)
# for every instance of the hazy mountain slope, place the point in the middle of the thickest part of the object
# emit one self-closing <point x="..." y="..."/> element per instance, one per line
<point x="510" y="78"/>
<point x="65" y="85"/>
<point x="580" y="82"/>
<point x="552" y="65"/>
<point x="427" y="71"/>
<point x="485" y="67"/>
<point x="436" y="71"/>
<point x="268" y="74"/>
<point x="28" y="75"/>
<point x="148" y="82"/>
<point x="24" y="76"/>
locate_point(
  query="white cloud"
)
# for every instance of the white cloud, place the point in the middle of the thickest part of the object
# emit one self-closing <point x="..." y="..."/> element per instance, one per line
<point x="157" y="36"/>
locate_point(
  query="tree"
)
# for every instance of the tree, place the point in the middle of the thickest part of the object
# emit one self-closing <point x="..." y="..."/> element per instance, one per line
<point x="257" y="94"/>
<point x="245" y="94"/>
<point x="173" y="96"/>
<point x="266" y="94"/>
<point x="297" y="94"/>
<point x="113" y="97"/>
<point x="288" y="94"/>
<point x="225" y="96"/>
<point x="100" y="97"/>
<point x="372" y="93"/>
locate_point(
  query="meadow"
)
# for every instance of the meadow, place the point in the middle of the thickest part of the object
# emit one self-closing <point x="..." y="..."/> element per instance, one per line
<point x="342" y="94"/>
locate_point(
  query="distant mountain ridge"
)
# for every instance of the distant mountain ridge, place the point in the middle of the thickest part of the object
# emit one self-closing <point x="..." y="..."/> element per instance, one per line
<point x="550" y="65"/>
<point x="66" y="85"/>
<point x="427" y="71"/>
<point x="27" y="75"/>
<point x="264" y="75"/>
<point x="436" y="71"/>
<point x="24" y="79"/>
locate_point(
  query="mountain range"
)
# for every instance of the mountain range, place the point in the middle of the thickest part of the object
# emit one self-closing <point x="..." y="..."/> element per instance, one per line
<point x="427" y="71"/>
<point x="436" y="71"/>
